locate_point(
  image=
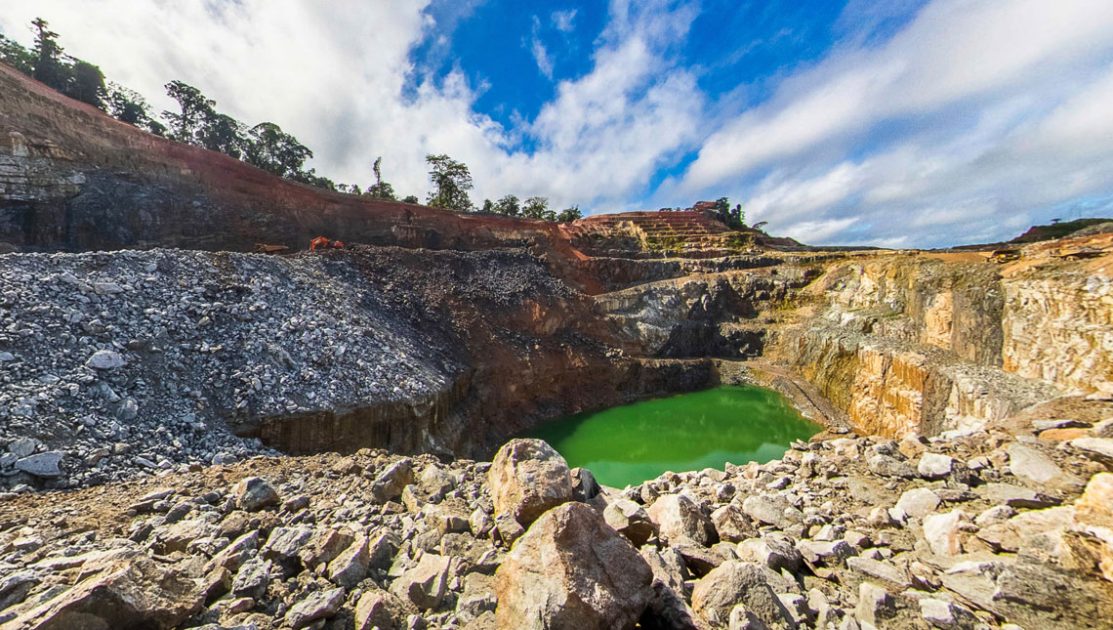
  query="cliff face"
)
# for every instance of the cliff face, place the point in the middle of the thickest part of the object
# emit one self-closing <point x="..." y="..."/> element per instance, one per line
<point x="929" y="342"/>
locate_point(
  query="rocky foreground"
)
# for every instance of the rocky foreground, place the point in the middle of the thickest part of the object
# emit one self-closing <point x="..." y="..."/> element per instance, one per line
<point x="978" y="530"/>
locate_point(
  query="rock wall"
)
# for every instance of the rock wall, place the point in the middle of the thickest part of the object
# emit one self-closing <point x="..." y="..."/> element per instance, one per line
<point x="923" y="342"/>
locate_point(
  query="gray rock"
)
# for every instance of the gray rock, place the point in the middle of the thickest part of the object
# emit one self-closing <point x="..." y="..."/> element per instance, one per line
<point x="390" y="483"/>
<point x="351" y="566"/>
<point x="879" y="570"/>
<point x="105" y="360"/>
<point x="252" y="579"/>
<point x="318" y="605"/>
<point x="426" y="584"/>
<point x="41" y="464"/>
<point x="875" y="605"/>
<point x="732" y="524"/>
<point x="887" y="466"/>
<point x="630" y="520"/>
<point x="254" y="493"/>
<point x="1097" y="449"/>
<point x="24" y="446"/>
<point x="1028" y="463"/>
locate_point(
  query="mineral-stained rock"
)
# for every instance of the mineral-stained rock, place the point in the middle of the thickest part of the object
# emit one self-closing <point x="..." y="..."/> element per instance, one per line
<point x="317" y="605"/>
<point x="131" y="591"/>
<point x="1093" y="516"/>
<point x="732" y="524"/>
<point x="572" y="570"/>
<point x="253" y="494"/>
<point x="630" y="520"/>
<point x="735" y="583"/>
<point x="527" y="477"/>
<point x="426" y="584"/>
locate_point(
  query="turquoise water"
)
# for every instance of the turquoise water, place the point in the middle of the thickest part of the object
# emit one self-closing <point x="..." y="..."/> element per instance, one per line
<point x="633" y="443"/>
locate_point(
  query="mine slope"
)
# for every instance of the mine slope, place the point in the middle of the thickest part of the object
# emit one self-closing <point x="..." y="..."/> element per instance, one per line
<point x="194" y="435"/>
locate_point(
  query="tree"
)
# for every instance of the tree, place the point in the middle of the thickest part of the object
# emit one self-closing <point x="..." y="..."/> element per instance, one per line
<point x="737" y="217"/>
<point x="537" y="208"/>
<point x="569" y="215"/>
<point x="451" y="183"/>
<point x="380" y="189"/>
<point x="221" y="132"/>
<point x="86" y="84"/>
<point x="17" y="56"/>
<point x="187" y="125"/>
<point x="127" y="105"/>
<point x="509" y="206"/>
<point x="275" y="151"/>
<point x="47" y="53"/>
<point x="410" y="199"/>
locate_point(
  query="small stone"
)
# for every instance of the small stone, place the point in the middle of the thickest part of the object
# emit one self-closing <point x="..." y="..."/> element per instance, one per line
<point x="254" y="493"/>
<point x="350" y="567"/>
<point x="934" y="466"/>
<point x="943" y="532"/>
<point x="938" y="612"/>
<point x="874" y="604"/>
<point x="886" y="466"/>
<point x="918" y="502"/>
<point x="105" y="360"/>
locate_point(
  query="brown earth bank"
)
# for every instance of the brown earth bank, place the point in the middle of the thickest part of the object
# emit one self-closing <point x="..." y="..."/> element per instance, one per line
<point x="972" y="492"/>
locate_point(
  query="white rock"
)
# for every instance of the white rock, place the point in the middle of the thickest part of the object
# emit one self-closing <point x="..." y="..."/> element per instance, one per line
<point x="943" y="532"/>
<point x="918" y="502"/>
<point x="105" y="360"/>
<point x="935" y="465"/>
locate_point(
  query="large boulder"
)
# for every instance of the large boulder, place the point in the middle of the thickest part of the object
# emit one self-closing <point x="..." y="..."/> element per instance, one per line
<point x="124" y="591"/>
<point x="571" y="570"/>
<point x="734" y="583"/>
<point x="678" y="517"/>
<point x="527" y="477"/>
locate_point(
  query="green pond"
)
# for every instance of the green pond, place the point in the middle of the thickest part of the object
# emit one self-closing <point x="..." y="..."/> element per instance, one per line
<point x="630" y="444"/>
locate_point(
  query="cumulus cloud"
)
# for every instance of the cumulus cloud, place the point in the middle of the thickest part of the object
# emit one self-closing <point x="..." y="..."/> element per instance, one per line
<point x="972" y="121"/>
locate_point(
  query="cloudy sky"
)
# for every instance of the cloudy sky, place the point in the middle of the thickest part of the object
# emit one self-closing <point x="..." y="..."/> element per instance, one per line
<point x="906" y="122"/>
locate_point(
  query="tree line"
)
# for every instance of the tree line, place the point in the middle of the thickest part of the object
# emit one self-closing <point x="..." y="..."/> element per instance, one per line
<point x="265" y="145"/>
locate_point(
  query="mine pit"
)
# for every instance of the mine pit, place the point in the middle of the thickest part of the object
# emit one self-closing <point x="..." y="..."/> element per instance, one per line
<point x="633" y="443"/>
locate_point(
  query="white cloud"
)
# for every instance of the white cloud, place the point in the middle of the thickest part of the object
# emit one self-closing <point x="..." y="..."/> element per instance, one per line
<point x="980" y="104"/>
<point x="540" y="53"/>
<point x="564" y="21"/>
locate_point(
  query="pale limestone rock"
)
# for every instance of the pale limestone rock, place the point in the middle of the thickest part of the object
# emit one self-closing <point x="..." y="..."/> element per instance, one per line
<point x="943" y="532"/>
<point x="934" y="465"/>
<point x="1093" y="515"/>
<point x="918" y="502"/>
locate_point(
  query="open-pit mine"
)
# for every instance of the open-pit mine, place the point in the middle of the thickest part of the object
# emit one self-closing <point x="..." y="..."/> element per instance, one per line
<point x="194" y="434"/>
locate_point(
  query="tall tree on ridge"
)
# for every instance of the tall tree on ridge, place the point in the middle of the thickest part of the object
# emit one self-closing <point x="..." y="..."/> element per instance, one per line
<point x="451" y="183"/>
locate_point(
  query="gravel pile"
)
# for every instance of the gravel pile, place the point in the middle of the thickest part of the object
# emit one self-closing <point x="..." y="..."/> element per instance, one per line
<point x="131" y="361"/>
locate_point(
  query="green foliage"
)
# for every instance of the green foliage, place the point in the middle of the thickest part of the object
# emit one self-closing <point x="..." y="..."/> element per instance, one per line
<point x="380" y="189"/>
<point x="86" y="84"/>
<point x="275" y="151"/>
<point x="569" y="215"/>
<point x="130" y="107"/>
<point x="186" y="125"/>
<point x="451" y="183"/>
<point x="509" y="206"/>
<point x="538" y="208"/>
<point x="488" y="207"/>
<point x="16" y="55"/>
<point x="410" y="199"/>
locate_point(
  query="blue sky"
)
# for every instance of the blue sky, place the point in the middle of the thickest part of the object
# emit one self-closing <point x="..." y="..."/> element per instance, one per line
<point x="900" y="123"/>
